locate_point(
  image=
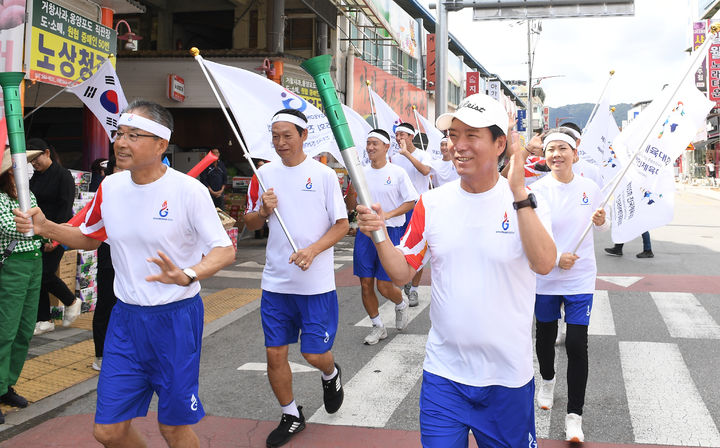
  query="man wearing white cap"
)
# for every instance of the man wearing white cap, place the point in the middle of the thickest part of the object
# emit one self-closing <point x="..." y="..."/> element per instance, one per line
<point x="485" y="237"/>
<point x="416" y="163"/>
<point x="298" y="288"/>
<point x="164" y="236"/>
<point x="443" y="170"/>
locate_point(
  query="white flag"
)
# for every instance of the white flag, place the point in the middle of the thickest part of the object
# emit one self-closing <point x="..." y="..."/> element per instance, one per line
<point x="645" y="197"/>
<point x="595" y="146"/>
<point x="434" y="136"/>
<point x="254" y="99"/>
<point x="103" y="95"/>
<point x="387" y="120"/>
<point x="359" y="128"/>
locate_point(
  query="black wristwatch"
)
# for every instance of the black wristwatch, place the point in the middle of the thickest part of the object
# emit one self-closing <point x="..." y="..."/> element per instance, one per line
<point x="529" y="202"/>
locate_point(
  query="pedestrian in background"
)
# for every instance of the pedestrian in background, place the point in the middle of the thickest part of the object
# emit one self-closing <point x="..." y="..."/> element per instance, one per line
<point x="214" y="177"/>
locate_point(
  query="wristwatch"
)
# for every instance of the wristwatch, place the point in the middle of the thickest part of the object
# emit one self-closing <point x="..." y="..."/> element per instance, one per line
<point x="192" y="275"/>
<point x="529" y="202"/>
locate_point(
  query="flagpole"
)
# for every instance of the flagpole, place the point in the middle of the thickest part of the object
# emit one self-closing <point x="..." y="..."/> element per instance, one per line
<point x="75" y="82"/>
<point x="592" y="114"/>
<point x="196" y="54"/>
<point x="373" y="109"/>
<point x="417" y="126"/>
<point x="699" y="54"/>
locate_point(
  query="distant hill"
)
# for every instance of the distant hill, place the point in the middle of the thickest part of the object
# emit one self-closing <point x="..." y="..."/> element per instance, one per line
<point x="579" y="113"/>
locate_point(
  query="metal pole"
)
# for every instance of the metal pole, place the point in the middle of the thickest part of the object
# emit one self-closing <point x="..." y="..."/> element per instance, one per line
<point x="441" y="58"/>
<point x="529" y="129"/>
<point x="196" y="53"/>
<point x="417" y="126"/>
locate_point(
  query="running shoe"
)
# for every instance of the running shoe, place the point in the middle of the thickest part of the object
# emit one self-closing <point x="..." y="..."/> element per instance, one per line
<point x="288" y="427"/>
<point x="645" y="254"/>
<point x="97" y="364"/>
<point x="413" y="298"/>
<point x="44" y="327"/>
<point x="401" y="316"/>
<point x="71" y="313"/>
<point x="546" y="394"/>
<point x="333" y="393"/>
<point x="13" y="399"/>
<point x="573" y="428"/>
<point x="613" y="252"/>
<point x="376" y="335"/>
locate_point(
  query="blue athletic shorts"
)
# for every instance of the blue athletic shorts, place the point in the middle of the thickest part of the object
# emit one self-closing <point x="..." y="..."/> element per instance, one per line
<point x="498" y="416"/>
<point x="315" y="317"/>
<point x="152" y="349"/>
<point x="366" y="263"/>
<point x="577" y="308"/>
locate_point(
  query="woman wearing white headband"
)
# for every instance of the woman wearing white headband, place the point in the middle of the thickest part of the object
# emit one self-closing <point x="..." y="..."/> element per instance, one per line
<point x="164" y="236"/>
<point x="574" y="201"/>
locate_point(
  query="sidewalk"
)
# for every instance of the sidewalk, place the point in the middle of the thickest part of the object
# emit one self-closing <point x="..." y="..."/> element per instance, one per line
<point x="700" y="190"/>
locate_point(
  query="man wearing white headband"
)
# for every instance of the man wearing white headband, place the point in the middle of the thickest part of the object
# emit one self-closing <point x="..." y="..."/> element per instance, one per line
<point x="390" y="186"/>
<point x="574" y="202"/>
<point x="443" y="170"/>
<point x="164" y="236"/>
<point x="582" y="167"/>
<point x="416" y="163"/>
<point x="298" y="289"/>
<point x="485" y="240"/>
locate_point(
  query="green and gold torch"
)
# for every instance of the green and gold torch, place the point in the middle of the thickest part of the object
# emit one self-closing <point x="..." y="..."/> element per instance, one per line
<point x="10" y="83"/>
<point x="319" y="68"/>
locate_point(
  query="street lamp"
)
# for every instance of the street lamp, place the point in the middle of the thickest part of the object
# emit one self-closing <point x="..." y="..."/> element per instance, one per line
<point x="131" y="38"/>
<point x="558" y="119"/>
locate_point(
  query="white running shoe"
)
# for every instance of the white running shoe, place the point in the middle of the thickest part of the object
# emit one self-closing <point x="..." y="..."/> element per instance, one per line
<point x="573" y="428"/>
<point x="562" y="330"/>
<point x="376" y="335"/>
<point x="401" y="316"/>
<point x="43" y="327"/>
<point x="72" y="312"/>
<point x="546" y="394"/>
<point x="97" y="364"/>
<point x="413" y="298"/>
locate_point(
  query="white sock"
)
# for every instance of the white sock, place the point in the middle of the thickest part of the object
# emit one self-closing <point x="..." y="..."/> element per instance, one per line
<point x="291" y="409"/>
<point x="401" y="306"/>
<point x="331" y="376"/>
<point x="414" y="288"/>
<point x="377" y="321"/>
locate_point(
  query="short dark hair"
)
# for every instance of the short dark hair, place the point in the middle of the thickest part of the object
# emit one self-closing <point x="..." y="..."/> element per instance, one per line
<point x="155" y="112"/>
<point x="571" y="125"/>
<point x="406" y="124"/>
<point x="381" y="132"/>
<point x="296" y="113"/>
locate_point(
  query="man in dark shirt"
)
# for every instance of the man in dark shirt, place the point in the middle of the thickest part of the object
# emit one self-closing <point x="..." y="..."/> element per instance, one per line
<point x="54" y="188"/>
<point x="214" y="178"/>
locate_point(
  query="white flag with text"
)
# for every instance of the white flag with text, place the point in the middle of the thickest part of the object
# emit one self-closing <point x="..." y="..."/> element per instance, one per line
<point x="434" y="136"/>
<point x="596" y="143"/>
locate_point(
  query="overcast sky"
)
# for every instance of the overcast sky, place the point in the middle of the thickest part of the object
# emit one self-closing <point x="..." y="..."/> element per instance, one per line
<point x="645" y="50"/>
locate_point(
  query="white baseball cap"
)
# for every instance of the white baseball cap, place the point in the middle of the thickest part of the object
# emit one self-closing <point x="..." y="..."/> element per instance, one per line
<point x="478" y="111"/>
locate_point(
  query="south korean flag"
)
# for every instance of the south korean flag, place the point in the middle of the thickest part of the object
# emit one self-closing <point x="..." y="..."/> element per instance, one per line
<point x="103" y="95"/>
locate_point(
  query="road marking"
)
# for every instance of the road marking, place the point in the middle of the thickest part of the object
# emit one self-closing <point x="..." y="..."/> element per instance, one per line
<point x="665" y="406"/>
<point x="387" y="309"/>
<point x="343" y="258"/>
<point x="601" y="318"/>
<point x="250" y="264"/>
<point x="262" y="367"/>
<point x="620" y="281"/>
<point x="684" y="316"/>
<point x="239" y="274"/>
<point x="375" y="392"/>
<point x="338" y="266"/>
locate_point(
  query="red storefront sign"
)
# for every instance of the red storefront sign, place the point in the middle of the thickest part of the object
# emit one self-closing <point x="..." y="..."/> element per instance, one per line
<point x="430" y="72"/>
<point x="714" y="73"/>
<point x="472" y="83"/>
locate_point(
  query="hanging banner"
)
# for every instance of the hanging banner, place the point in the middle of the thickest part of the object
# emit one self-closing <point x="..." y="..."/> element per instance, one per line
<point x="472" y="83"/>
<point x="430" y="72"/>
<point x="699" y="32"/>
<point x="64" y="46"/>
<point x="12" y="32"/>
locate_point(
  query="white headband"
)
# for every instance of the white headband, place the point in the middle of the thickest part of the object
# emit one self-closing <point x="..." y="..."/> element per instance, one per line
<point x="444" y="139"/>
<point x="575" y="133"/>
<point x="555" y="136"/>
<point x="291" y="119"/>
<point x="405" y="128"/>
<point x="380" y="137"/>
<point x="145" y="124"/>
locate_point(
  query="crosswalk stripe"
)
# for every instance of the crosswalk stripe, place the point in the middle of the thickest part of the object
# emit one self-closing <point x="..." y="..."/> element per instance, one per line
<point x="376" y="390"/>
<point x="387" y="309"/>
<point x="343" y="258"/>
<point x="684" y="316"/>
<point x="665" y="406"/>
<point x="601" y="318"/>
<point x="239" y="274"/>
<point x="250" y="264"/>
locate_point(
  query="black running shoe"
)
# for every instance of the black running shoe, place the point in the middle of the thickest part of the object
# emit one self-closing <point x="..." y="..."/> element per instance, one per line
<point x="333" y="393"/>
<point x="288" y="427"/>
<point x="613" y="252"/>
<point x="2" y="418"/>
<point x="13" y="399"/>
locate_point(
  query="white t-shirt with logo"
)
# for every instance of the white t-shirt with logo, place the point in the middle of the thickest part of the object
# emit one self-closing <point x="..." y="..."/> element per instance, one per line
<point x="391" y="187"/>
<point x="443" y="171"/>
<point x="571" y="206"/>
<point x="173" y="214"/>
<point x="587" y="169"/>
<point x="420" y="182"/>
<point x="309" y="202"/>
<point x="482" y="291"/>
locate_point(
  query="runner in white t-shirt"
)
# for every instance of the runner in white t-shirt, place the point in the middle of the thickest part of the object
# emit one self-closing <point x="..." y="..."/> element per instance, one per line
<point x="298" y="288"/>
<point x="574" y="202"/>
<point x="157" y="221"/>
<point x="390" y="186"/>
<point x="443" y="170"/>
<point x="485" y="240"/>
<point x="416" y="164"/>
